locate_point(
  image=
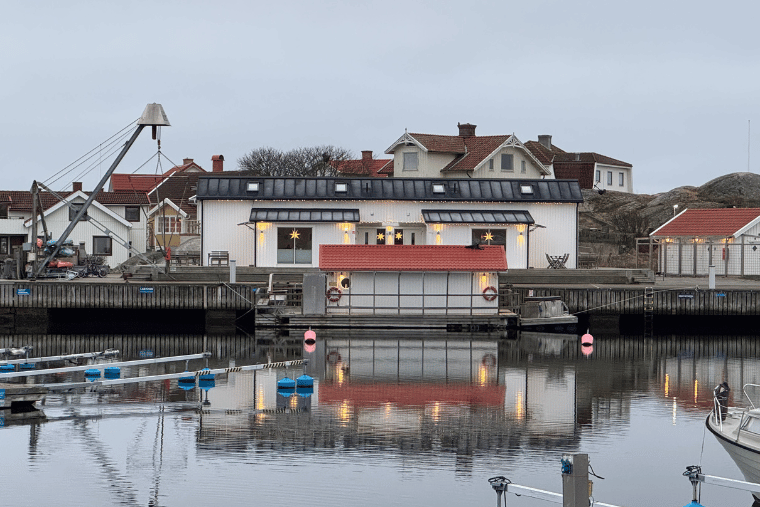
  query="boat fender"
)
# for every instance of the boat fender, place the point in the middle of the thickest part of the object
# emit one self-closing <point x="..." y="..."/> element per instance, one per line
<point x="490" y="293"/>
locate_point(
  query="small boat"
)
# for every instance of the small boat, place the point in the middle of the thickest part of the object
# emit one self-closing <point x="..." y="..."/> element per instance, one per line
<point x="738" y="431"/>
<point x="546" y="313"/>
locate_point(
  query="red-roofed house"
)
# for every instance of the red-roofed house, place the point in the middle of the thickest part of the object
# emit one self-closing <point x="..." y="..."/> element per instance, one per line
<point x="590" y="169"/>
<point x="412" y="279"/>
<point x="366" y="166"/>
<point x="121" y="182"/>
<point x="727" y="238"/>
<point x="465" y="155"/>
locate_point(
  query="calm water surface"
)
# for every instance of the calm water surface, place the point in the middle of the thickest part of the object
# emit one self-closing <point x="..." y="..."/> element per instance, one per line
<point x="405" y="418"/>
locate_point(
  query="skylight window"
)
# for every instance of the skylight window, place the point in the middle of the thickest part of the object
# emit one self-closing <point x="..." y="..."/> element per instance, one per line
<point x="253" y="186"/>
<point x="341" y="187"/>
<point x="439" y="188"/>
<point x="526" y="189"/>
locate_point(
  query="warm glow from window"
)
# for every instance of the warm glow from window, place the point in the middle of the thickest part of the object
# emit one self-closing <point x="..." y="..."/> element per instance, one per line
<point x="667" y="384"/>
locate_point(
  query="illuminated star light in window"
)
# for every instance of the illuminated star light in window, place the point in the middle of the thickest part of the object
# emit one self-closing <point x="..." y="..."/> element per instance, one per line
<point x="380" y="236"/>
<point x="295" y="234"/>
<point x="488" y="236"/>
<point x="399" y="235"/>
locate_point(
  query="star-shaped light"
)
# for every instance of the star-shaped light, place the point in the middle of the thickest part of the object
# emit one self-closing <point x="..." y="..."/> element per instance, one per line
<point x="295" y="234"/>
<point x="380" y="236"/>
<point x="488" y="236"/>
<point x="399" y="235"/>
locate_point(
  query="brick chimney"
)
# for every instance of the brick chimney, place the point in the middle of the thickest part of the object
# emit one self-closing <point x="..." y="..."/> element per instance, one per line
<point x="366" y="154"/>
<point x="545" y="141"/>
<point x="187" y="161"/>
<point x="466" y="129"/>
<point x="217" y="163"/>
<point x="76" y="186"/>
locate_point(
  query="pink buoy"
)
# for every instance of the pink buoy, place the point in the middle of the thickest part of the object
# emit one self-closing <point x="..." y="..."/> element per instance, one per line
<point x="587" y="339"/>
<point x="310" y="336"/>
<point x="587" y="350"/>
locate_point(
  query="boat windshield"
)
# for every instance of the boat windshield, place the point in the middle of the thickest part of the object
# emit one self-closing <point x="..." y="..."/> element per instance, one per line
<point x="751" y="423"/>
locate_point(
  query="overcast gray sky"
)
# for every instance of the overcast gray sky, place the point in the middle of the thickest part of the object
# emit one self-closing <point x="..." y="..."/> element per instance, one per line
<point x="666" y="86"/>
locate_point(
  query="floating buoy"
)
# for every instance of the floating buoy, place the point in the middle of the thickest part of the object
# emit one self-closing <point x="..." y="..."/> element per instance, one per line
<point x="28" y="366"/>
<point x="206" y="376"/>
<point x="693" y="504"/>
<point x="304" y="381"/>
<point x="112" y="372"/>
<point x="92" y="372"/>
<point x="286" y="383"/>
<point x="7" y="367"/>
<point x="587" y="350"/>
<point x="188" y="379"/>
<point x="206" y="384"/>
<point x="310" y="337"/>
<point x="587" y="339"/>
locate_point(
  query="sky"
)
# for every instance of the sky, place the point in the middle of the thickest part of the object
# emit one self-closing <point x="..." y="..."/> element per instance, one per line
<point x="669" y="87"/>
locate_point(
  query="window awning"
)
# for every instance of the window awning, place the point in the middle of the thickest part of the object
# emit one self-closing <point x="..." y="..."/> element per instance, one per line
<point x="476" y="217"/>
<point x="303" y="215"/>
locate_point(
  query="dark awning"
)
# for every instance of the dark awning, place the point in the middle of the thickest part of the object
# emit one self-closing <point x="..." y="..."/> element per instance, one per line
<point x="476" y="217"/>
<point x="303" y="215"/>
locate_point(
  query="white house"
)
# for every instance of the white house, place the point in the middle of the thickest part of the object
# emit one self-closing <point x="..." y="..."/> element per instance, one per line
<point x="280" y="222"/>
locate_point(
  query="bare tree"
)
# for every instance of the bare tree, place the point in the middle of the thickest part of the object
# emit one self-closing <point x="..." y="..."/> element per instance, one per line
<point x="310" y="161"/>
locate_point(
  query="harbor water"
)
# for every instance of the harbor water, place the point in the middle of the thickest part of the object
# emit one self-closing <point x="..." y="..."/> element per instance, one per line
<point x="393" y="418"/>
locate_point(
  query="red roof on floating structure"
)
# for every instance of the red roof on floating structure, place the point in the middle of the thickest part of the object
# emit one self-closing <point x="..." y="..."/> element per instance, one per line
<point x="716" y="222"/>
<point x="412" y="258"/>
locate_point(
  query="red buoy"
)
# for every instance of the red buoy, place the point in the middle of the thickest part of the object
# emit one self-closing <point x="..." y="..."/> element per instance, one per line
<point x="587" y="339"/>
<point x="310" y="337"/>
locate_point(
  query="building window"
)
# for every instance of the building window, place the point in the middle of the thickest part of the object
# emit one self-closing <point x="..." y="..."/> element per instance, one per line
<point x="489" y="236"/>
<point x="621" y="181"/>
<point x="597" y="176"/>
<point x="169" y="225"/>
<point x="398" y="237"/>
<point x="506" y="162"/>
<point x="3" y="211"/>
<point x="523" y="169"/>
<point x="4" y="245"/>
<point x="490" y="164"/>
<point x="132" y="213"/>
<point x="366" y="238"/>
<point x="293" y="245"/>
<point x="609" y="177"/>
<point x="380" y="237"/>
<point x="410" y="161"/>
<point x="74" y="209"/>
<point x="412" y="242"/>
<point x="102" y="245"/>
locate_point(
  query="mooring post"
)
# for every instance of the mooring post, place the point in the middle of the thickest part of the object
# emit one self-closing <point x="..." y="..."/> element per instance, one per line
<point x="575" y="488"/>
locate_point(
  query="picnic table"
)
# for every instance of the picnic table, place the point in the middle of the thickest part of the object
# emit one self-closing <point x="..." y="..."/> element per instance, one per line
<point x="557" y="261"/>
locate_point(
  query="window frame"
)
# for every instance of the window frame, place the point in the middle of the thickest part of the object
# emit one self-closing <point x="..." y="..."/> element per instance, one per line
<point x="621" y="179"/>
<point x="609" y="178"/>
<point x="134" y="209"/>
<point x="523" y="167"/>
<point x="74" y="209"/>
<point x="598" y="176"/>
<point x="407" y="158"/>
<point x="511" y="165"/>
<point x="95" y="251"/>
<point x="283" y="232"/>
<point x="175" y="220"/>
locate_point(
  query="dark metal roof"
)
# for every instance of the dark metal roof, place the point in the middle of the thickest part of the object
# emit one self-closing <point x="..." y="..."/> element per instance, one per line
<point x="303" y="215"/>
<point x="476" y="217"/>
<point x="220" y="187"/>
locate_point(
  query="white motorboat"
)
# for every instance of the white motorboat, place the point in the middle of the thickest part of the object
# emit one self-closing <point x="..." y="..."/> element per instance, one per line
<point x="738" y="431"/>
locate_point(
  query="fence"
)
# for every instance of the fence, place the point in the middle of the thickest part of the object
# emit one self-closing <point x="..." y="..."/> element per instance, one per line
<point x="694" y="259"/>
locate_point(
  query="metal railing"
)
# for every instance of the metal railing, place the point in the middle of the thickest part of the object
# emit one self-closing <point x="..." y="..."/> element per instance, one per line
<point x="424" y="303"/>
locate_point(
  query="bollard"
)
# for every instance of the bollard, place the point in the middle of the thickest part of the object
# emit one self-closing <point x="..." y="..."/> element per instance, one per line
<point x="575" y="480"/>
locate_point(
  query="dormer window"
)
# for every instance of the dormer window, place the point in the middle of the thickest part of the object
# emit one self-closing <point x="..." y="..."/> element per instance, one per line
<point x="341" y="187"/>
<point x="253" y="186"/>
<point x="439" y="188"/>
<point x="526" y="189"/>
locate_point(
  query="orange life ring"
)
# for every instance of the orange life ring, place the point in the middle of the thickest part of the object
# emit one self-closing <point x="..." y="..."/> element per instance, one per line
<point x="333" y="294"/>
<point x="490" y="293"/>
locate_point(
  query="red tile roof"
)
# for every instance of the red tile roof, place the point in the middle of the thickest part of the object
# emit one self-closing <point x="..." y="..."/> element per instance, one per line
<point x="362" y="167"/>
<point x="22" y="201"/>
<point x="411" y="258"/>
<point x="179" y="188"/>
<point x="581" y="171"/>
<point x="720" y="222"/>
<point x="589" y="157"/>
<point x="544" y="155"/>
<point x="134" y="182"/>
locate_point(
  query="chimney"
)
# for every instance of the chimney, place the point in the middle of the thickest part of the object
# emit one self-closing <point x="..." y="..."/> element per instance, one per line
<point x="466" y="129"/>
<point x="217" y="163"/>
<point x="577" y="157"/>
<point x="76" y="186"/>
<point x="187" y="161"/>
<point x="545" y="141"/>
<point x="366" y="154"/>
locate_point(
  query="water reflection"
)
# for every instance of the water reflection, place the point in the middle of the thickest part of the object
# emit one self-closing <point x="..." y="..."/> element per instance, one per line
<point x="471" y="405"/>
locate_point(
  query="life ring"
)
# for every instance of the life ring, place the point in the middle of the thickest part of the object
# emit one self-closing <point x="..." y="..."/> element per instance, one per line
<point x="333" y="294"/>
<point x="490" y="293"/>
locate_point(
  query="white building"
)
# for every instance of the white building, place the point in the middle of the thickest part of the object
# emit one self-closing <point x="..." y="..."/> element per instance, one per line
<point x="281" y="222"/>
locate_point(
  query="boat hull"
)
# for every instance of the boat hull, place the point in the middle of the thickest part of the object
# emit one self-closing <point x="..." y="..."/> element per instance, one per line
<point x="746" y="458"/>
